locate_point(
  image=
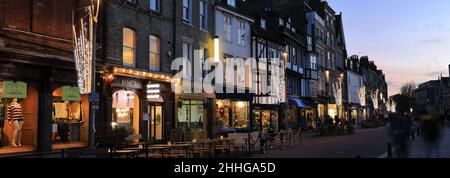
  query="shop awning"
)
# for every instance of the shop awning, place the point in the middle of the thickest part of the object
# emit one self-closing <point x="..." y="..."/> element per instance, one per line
<point x="299" y="103"/>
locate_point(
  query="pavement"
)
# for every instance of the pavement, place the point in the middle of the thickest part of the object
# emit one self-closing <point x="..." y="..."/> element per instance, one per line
<point x="365" y="143"/>
<point x="417" y="147"/>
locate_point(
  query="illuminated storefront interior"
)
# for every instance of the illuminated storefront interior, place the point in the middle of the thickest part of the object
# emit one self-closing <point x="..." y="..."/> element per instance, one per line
<point x="332" y="111"/>
<point x="126" y="113"/>
<point x="266" y="119"/>
<point x="70" y="117"/>
<point x="18" y="135"/>
<point x="232" y="115"/>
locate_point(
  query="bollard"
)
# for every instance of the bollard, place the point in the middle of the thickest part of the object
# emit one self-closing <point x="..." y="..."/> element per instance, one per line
<point x="389" y="149"/>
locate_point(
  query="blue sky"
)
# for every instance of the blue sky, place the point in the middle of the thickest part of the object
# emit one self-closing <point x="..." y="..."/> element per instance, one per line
<point x="408" y="39"/>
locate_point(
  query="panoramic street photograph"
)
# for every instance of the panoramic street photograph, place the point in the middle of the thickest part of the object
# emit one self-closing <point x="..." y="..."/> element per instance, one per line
<point x="251" y="81"/>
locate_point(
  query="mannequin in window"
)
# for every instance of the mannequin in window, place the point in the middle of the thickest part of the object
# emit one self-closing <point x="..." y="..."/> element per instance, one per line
<point x="2" y="121"/>
<point x="15" y="114"/>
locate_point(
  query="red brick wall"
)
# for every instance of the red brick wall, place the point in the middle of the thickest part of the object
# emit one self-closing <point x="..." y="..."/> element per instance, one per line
<point x="45" y="19"/>
<point x="53" y="17"/>
<point x="17" y="14"/>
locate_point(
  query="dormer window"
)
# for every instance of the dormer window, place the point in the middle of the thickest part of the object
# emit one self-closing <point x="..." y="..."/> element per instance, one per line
<point x="263" y="24"/>
<point x="232" y="3"/>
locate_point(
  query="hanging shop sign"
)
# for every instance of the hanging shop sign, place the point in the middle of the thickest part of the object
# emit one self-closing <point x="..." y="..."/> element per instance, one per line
<point x="71" y="93"/>
<point x="153" y="92"/>
<point x="12" y="89"/>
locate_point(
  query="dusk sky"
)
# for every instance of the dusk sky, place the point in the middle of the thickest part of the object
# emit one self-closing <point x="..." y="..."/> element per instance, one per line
<point x="408" y="39"/>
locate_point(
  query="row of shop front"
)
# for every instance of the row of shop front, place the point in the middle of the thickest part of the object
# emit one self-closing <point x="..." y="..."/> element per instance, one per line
<point x="51" y="114"/>
<point x="56" y="116"/>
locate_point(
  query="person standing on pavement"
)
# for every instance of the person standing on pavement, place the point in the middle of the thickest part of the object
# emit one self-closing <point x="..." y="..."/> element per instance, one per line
<point x="318" y="122"/>
<point x="431" y="133"/>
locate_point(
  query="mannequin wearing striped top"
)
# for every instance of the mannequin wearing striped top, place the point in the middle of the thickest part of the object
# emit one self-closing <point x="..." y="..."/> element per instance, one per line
<point x="15" y="114"/>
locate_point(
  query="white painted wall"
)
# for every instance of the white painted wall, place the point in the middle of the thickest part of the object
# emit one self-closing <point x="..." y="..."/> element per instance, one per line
<point x="232" y="48"/>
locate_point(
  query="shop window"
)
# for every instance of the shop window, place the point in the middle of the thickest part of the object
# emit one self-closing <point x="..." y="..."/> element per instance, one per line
<point x="126" y="113"/>
<point x="231" y="115"/>
<point x="191" y="115"/>
<point x="69" y="117"/>
<point x="266" y="120"/>
<point x="18" y="117"/>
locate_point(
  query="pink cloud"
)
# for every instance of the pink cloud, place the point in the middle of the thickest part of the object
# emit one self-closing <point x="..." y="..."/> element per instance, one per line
<point x="396" y="76"/>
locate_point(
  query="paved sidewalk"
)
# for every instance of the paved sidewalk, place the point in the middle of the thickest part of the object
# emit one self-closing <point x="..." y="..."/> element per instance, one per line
<point x="418" y="147"/>
<point x="365" y="143"/>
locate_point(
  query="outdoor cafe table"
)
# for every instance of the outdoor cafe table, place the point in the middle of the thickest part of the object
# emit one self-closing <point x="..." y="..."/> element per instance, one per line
<point x="127" y="152"/>
<point x="225" y="141"/>
<point x="162" y="147"/>
<point x="201" y="145"/>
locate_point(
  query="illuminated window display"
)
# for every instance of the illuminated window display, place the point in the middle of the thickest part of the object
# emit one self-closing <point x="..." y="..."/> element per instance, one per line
<point x="191" y="115"/>
<point x="266" y="119"/>
<point x="18" y="117"/>
<point x="126" y="112"/>
<point x="69" y="116"/>
<point x="232" y="114"/>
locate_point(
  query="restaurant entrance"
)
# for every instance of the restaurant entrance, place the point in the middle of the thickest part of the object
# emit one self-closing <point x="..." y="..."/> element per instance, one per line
<point x="156" y="121"/>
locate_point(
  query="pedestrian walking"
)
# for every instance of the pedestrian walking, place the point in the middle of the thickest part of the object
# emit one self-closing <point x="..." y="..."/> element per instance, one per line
<point x="318" y="122"/>
<point x="401" y="130"/>
<point x="431" y="133"/>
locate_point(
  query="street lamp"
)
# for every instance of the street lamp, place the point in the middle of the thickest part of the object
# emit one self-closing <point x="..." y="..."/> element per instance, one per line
<point x="285" y="54"/>
<point x="216" y="49"/>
